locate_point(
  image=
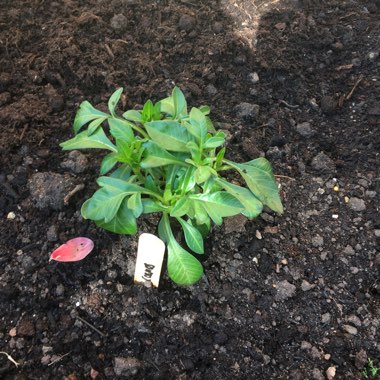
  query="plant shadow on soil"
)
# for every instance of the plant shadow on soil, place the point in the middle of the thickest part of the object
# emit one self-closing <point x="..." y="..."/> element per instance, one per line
<point x="253" y="318"/>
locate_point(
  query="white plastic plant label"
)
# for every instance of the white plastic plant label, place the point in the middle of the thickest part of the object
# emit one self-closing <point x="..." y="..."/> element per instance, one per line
<point x="150" y="255"/>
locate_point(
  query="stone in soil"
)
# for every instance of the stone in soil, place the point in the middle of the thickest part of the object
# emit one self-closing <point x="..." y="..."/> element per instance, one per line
<point x="77" y="162"/>
<point x="126" y="366"/>
<point x="323" y="163"/>
<point x="235" y="224"/>
<point x="285" y="290"/>
<point x="305" y="130"/>
<point x="119" y="22"/>
<point x="356" y="204"/>
<point x="187" y="23"/>
<point x="247" y="111"/>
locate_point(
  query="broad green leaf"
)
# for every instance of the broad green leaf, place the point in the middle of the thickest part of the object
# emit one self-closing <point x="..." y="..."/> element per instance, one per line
<point x="116" y="184"/>
<point x="179" y="103"/>
<point x="135" y="204"/>
<point x="103" y="205"/>
<point x="253" y="206"/>
<point x="193" y="237"/>
<point x="183" y="268"/>
<point x="169" y="135"/>
<point x="259" y="178"/>
<point x="147" y="112"/>
<point x="197" y="125"/>
<point x="133" y="115"/>
<point x="149" y="206"/>
<point x="124" y="151"/>
<point x="121" y="130"/>
<point x="108" y="162"/>
<point x="181" y="207"/>
<point x="187" y="181"/>
<point x="85" y="114"/>
<point x="151" y="184"/>
<point x="219" y="158"/>
<point x="155" y="156"/>
<point x="214" y="142"/>
<point x="94" y="125"/>
<point x="114" y="99"/>
<point x="123" y="172"/>
<point x="204" y="228"/>
<point x="164" y="231"/>
<point x="98" y="140"/>
<point x="203" y="173"/>
<point x="123" y="223"/>
<point x="199" y="212"/>
<point x="219" y="204"/>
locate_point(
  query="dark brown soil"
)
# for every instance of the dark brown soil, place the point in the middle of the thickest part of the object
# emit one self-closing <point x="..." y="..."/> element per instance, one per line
<point x="287" y="297"/>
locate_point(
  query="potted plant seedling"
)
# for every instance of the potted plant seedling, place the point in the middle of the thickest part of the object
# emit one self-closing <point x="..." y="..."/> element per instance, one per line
<point x="169" y="160"/>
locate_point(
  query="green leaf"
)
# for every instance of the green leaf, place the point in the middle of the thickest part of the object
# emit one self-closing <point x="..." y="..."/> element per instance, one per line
<point x="108" y="162"/>
<point x="253" y="206"/>
<point x="203" y="173"/>
<point x="215" y="142"/>
<point x="155" y="156"/>
<point x="193" y="237"/>
<point x="150" y="206"/>
<point x="197" y="125"/>
<point x="124" y="221"/>
<point x="93" y="126"/>
<point x="133" y="115"/>
<point x="114" y="99"/>
<point x="199" y="212"/>
<point x="135" y="204"/>
<point x="259" y="178"/>
<point x="181" y="207"/>
<point x="169" y="135"/>
<point x="219" y="205"/>
<point x="183" y="268"/>
<point x="205" y="110"/>
<point x="98" y="140"/>
<point x="123" y="172"/>
<point x="204" y="228"/>
<point x="187" y="181"/>
<point x="164" y="231"/>
<point x="85" y="114"/>
<point x="124" y="151"/>
<point x="179" y="103"/>
<point x="219" y="158"/>
<point x="103" y="205"/>
<point x="121" y="130"/>
<point x="116" y="184"/>
<point x="147" y="112"/>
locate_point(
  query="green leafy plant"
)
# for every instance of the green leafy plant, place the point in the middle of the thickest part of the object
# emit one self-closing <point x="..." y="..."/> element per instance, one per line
<point x="370" y="371"/>
<point x="165" y="159"/>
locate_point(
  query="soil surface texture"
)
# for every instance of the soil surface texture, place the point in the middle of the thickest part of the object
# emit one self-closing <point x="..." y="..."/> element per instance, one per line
<point x="294" y="296"/>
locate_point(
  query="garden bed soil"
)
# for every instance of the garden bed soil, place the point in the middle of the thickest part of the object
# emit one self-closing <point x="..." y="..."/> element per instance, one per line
<point x="294" y="296"/>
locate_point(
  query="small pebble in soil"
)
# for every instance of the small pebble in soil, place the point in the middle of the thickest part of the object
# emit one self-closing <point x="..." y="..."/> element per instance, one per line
<point x="350" y="329"/>
<point x="253" y="78"/>
<point x="323" y="163"/>
<point x="77" y="162"/>
<point x="126" y="366"/>
<point x="305" y="130"/>
<point x="247" y="111"/>
<point x="11" y="215"/>
<point x="211" y="90"/>
<point x="326" y="317"/>
<point x="285" y="290"/>
<point x="328" y="105"/>
<point x="119" y="22"/>
<point x="356" y="204"/>
<point x="317" y="241"/>
<point x="306" y="286"/>
<point x="330" y="373"/>
<point x="187" y="23"/>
